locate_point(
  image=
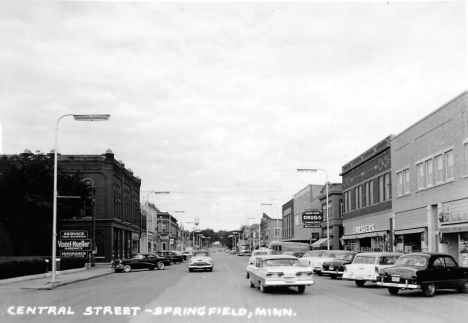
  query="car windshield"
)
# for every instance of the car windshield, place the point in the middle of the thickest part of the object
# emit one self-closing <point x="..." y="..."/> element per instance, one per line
<point x="260" y="253"/>
<point x="364" y="260"/>
<point x="345" y="256"/>
<point x="328" y="255"/>
<point x="201" y="254"/>
<point x="281" y="262"/>
<point x="413" y="261"/>
<point x="314" y="254"/>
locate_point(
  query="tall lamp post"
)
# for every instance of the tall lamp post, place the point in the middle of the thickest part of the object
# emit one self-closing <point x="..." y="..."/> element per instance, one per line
<point x="277" y="224"/>
<point x="313" y="170"/>
<point x="77" y="117"/>
<point x="147" y="204"/>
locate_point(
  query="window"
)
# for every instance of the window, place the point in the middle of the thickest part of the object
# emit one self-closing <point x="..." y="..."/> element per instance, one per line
<point x="356" y="197"/>
<point x="421" y="173"/>
<point x="387" y="187"/>
<point x="360" y="195"/>
<point x="400" y="183"/>
<point x="406" y="184"/>
<point x="449" y="165"/>
<point x="371" y="192"/>
<point x="381" y="189"/>
<point x="346" y="201"/>
<point x="466" y="158"/>
<point x="366" y="200"/>
<point x="429" y="172"/>
<point x="439" y="169"/>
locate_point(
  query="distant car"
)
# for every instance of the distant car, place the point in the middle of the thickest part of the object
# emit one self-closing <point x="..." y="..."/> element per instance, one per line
<point x="294" y="253"/>
<point x="233" y="252"/>
<point x="316" y="262"/>
<point x="279" y="271"/>
<point x="173" y="256"/>
<point x="366" y="266"/>
<point x="187" y="255"/>
<point x="201" y="259"/>
<point x="426" y="271"/>
<point x="244" y="253"/>
<point x="335" y="268"/>
<point x="255" y="254"/>
<point x="140" y="261"/>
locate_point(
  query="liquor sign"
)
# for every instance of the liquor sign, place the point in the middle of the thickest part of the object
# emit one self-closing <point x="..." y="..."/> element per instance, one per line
<point x="312" y="216"/>
<point x="70" y="245"/>
<point x="74" y="254"/>
<point x="74" y="234"/>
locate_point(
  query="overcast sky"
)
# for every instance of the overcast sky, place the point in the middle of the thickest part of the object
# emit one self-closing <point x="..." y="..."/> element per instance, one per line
<point x="220" y="103"/>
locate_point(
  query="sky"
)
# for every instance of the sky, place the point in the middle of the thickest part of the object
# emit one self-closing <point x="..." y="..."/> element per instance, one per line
<point x="220" y="103"/>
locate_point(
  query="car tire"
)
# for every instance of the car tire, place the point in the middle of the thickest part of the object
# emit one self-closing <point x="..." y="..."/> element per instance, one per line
<point x="210" y="269"/>
<point x="301" y="289"/>
<point x="463" y="288"/>
<point x="359" y="283"/>
<point x="429" y="289"/>
<point x="251" y="284"/>
<point x="333" y="276"/>
<point x="151" y="268"/>
<point x="393" y="290"/>
<point x="127" y="268"/>
<point x="319" y="273"/>
<point x="161" y="266"/>
<point x="263" y="288"/>
<point x="190" y="270"/>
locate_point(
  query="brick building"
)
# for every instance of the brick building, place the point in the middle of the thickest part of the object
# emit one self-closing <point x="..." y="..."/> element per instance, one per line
<point x="270" y="229"/>
<point x="367" y="183"/>
<point x="288" y="220"/>
<point x="335" y="221"/>
<point x="118" y="220"/>
<point x="430" y="168"/>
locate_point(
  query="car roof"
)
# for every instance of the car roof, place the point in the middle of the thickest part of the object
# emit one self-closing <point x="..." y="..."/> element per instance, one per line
<point x="276" y="257"/>
<point x="428" y="253"/>
<point x="380" y="253"/>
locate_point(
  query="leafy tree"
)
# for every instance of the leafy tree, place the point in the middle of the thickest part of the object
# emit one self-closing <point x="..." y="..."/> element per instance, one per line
<point x="26" y="196"/>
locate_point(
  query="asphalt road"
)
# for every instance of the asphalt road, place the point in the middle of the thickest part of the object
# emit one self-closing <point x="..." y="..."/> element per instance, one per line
<point x="224" y="295"/>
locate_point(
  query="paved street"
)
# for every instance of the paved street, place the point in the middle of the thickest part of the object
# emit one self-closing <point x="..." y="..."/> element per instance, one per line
<point x="175" y="295"/>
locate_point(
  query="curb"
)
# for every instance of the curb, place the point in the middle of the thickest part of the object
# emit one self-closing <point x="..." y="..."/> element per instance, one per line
<point x="45" y="275"/>
<point x="52" y="286"/>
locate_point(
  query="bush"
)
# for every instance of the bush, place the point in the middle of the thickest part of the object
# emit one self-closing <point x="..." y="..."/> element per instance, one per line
<point x="11" y="267"/>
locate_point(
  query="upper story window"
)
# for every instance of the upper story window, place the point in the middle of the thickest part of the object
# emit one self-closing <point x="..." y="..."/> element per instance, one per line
<point x="403" y="182"/>
<point x="465" y="147"/>
<point x="435" y="169"/>
<point x="429" y="172"/>
<point x="439" y="169"/>
<point x="449" y="165"/>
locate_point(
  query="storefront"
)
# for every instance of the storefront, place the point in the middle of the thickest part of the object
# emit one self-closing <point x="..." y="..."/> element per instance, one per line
<point x="367" y="234"/>
<point x="453" y="239"/>
<point x="411" y="240"/>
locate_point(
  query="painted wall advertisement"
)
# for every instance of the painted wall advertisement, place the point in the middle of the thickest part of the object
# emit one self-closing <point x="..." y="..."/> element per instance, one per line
<point x="463" y="247"/>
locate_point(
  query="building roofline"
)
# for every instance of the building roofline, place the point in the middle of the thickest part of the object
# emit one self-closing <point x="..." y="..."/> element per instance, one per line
<point x="430" y="114"/>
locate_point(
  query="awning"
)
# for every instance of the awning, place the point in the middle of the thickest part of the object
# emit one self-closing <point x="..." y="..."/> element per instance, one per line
<point x="409" y="231"/>
<point x="319" y="242"/>
<point x="364" y="235"/>
<point x="463" y="227"/>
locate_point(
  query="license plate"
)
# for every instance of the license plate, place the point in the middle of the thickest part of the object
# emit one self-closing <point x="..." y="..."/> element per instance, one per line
<point x="289" y="280"/>
<point x="395" y="279"/>
<point x="359" y="278"/>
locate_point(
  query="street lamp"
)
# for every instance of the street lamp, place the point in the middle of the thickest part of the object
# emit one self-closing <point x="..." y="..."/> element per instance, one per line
<point x="313" y="170"/>
<point x="277" y="225"/>
<point x="77" y="117"/>
<point x="147" y="204"/>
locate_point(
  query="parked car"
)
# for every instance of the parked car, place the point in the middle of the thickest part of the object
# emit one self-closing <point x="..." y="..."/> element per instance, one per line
<point x="140" y="261"/>
<point x="174" y="257"/>
<point x="366" y="266"/>
<point x="316" y="261"/>
<point x="305" y="259"/>
<point x="335" y="268"/>
<point x="426" y="271"/>
<point x="279" y="271"/>
<point x="297" y="254"/>
<point x="244" y="253"/>
<point x="201" y="259"/>
<point x="187" y="255"/>
<point x="255" y="254"/>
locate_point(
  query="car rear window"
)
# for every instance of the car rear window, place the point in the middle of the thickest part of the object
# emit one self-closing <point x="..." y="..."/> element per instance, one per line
<point x="387" y="260"/>
<point x="261" y="253"/>
<point x="364" y="260"/>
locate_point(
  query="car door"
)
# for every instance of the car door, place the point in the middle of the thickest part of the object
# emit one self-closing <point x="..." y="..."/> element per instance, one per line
<point x="439" y="273"/>
<point x="455" y="274"/>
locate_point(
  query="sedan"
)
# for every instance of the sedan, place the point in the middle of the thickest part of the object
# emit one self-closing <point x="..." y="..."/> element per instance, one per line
<point x="201" y="259"/>
<point x="336" y="267"/>
<point x="140" y="261"/>
<point x="174" y="257"/>
<point x="426" y="271"/>
<point x="279" y="271"/>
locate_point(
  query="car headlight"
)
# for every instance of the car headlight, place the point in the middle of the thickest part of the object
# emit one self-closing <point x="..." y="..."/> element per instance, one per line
<point x="210" y="261"/>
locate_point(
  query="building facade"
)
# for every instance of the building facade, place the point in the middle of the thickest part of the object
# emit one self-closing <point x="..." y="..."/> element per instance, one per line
<point x="167" y="235"/>
<point x="288" y="220"/>
<point x="148" y="236"/>
<point x="270" y="229"/>
<point x="430" y="169"/>
<point x="335" y="217"/>
<point x="306" y="199"/>
<point x="118" y="222"/>
<point x="367" y="183"/>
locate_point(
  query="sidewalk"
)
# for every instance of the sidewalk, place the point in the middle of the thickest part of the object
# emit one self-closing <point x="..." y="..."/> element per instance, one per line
<point x="61" y="278"/>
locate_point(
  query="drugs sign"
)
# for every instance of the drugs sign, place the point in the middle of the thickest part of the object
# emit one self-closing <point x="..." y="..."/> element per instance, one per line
<point x="312" y="216"/>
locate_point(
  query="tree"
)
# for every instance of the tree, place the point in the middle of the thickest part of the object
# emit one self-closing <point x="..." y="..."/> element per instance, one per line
<point x="26" y="196"/>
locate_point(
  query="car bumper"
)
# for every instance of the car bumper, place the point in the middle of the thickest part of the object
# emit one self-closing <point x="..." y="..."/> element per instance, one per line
<point x="317" y="269"/>
<point x="334" y="272"/>
<point x="289" y="283"/>
<point x="399" y="285"/>
<point x="371" y="278"/>
<point x="199" y="266"/>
